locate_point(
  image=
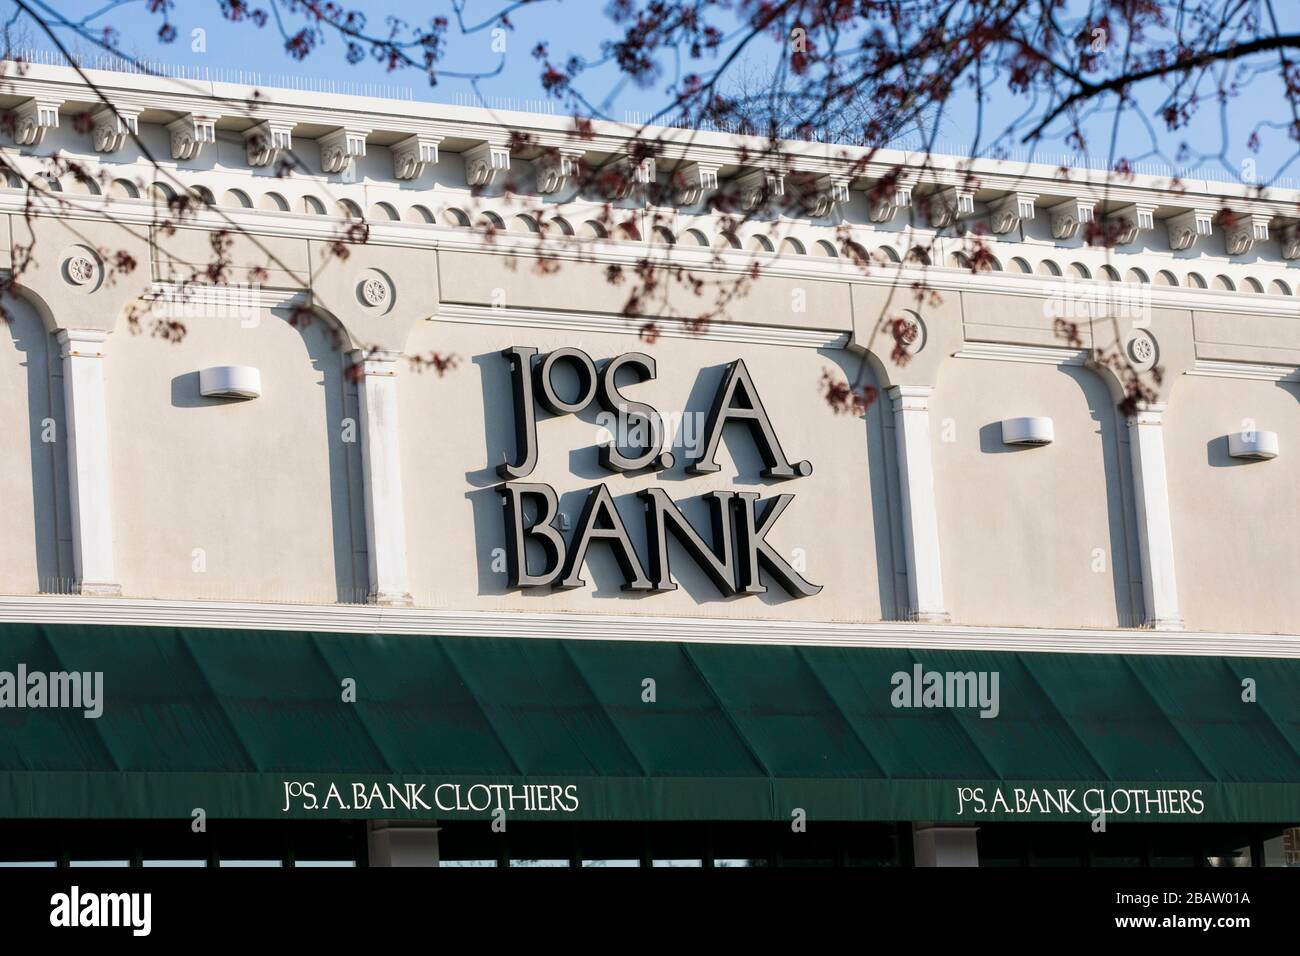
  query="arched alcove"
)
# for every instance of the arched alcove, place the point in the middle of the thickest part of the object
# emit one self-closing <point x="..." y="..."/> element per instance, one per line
<point x="1070" y="563"/>
<point x="191" y="530"/>
<point x="418" y="214"/>
<point x="237" y="199"/>
<point x="456" y="218"/>
<point x="273" y="202"/>
<point x="34" y="521"/>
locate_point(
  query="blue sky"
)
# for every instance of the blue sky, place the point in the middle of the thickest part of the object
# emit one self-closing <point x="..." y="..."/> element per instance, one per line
<point x="579" y="26"/>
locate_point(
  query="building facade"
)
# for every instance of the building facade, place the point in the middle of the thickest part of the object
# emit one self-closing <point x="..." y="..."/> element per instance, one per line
<point x="394" y="531"/>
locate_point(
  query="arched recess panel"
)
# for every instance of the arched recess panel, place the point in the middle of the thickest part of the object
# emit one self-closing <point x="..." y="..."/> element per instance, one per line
<point x="1235" y="522"/>
<point x="243" y="476"/>
<point x="833" y="525"/>
<point x="1032" y="535"/>
<point x="37" y="552"/>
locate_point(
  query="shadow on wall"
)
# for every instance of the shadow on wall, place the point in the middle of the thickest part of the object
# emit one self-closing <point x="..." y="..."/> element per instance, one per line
<point x="46" y="439"/>
<point x="347" y="503"/>
<point x="991" y="442"/>
<point x="886" y="496"/>
<point x="1216" y="454"/>
<point x="185" y="393"/>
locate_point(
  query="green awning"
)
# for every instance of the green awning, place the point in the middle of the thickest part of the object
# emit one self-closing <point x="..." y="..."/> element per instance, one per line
<point x="444" y="727"/>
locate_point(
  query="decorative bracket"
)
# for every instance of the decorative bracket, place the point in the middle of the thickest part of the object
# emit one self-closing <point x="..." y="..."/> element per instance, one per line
<point x="1069" y="216"/>
<point x="555" y="167"/>
<point x="111" y="125"/>
<point x="484" y="161"/>
<point x="824" y="194"/>
<point x="691" y="181"/>
<point x="339" y="148"/>
<point x="1246" y="230"/>
<point x="1010" y="211"/>
<point x="619" y="179"/>
<point x="412" y="154"/>
<point x="758" y="188"/>
<point x="1187" y="227"/>
<point x="190" y="134"/>
<point x="885" y="207"/>
<point x="950" y="204"/>
<point x="1123" y="225"/>
<point x="33" y="117"/>
<point x="1289" y="237"/>
<point x="266" y="141"/>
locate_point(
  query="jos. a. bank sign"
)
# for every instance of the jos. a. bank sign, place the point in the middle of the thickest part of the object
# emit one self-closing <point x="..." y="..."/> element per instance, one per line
<point x="736" y="547"/>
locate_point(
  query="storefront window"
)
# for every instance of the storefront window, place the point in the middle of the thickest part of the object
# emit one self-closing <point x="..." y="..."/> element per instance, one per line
<point x="187" y="864"/>
<point x="467" y="863"/>
<point x="1283" y="849"/>
<point x="98" y="864"/>
<point x="611" y="863"/>
<point x="323" y="863"/>
<point x="252" y="863"/>
<point x="539" y="862"/>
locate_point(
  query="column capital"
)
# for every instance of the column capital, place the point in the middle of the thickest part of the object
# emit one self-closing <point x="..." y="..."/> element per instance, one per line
<point x="371" y="362"/>
<point x="910" y="398"/>
<point x="1148" y="413"/>
<point x="81" y="343"/>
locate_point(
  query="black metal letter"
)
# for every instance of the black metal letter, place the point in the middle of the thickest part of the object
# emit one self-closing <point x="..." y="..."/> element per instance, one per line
<point x="611" y="400"/>
<point x="521" y="358"/>
<point x="546" y="393"/>
<point x="542" y="529"/>
<point x="662" y="514"/>
<point x="751" y="549"/>
<point x="737" y="385"/>
<point x="600" y="522"/>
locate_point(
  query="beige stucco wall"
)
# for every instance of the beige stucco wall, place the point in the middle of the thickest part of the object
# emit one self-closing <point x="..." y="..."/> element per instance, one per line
<point x="768" y="299"/>
<point x="1020" y="528"/>
<point x="260" y="486"/>
<point x="270" y="492"/>
<point x="1236" y="523"/>
<point x="455" y="429"/>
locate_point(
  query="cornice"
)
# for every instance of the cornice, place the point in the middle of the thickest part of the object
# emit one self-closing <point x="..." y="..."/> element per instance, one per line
<point x="1015" y="352"/>
<point x="460" y="129"/>
<point x="42" y="609"/>
<point x="1214" y="368"/>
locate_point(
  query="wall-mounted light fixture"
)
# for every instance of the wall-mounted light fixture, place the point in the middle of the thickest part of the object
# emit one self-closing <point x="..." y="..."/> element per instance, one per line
<point x="1027" y="431"/>
<point x="230" y="381"/>
<point x="1253" y="445"/>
